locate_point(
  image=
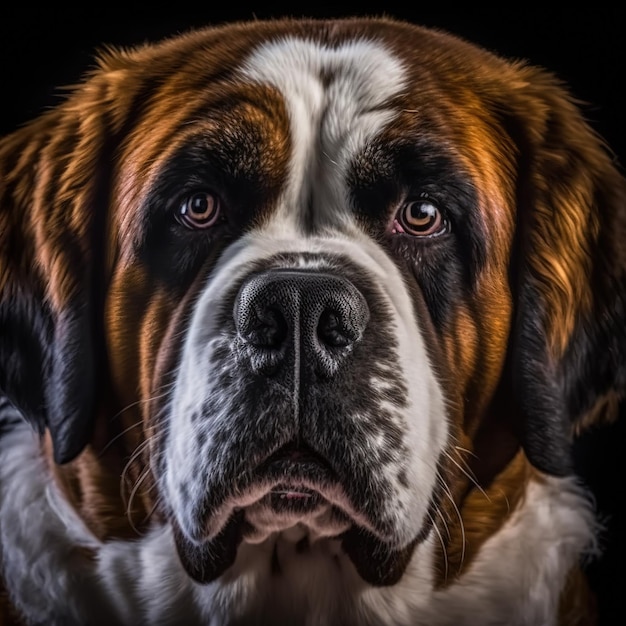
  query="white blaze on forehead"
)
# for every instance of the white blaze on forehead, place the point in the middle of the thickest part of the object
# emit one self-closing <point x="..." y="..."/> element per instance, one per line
<point x="336" y="98"/>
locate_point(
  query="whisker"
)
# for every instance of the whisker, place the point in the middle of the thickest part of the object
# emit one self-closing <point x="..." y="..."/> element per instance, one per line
<point x="124" y="477"/>
<point x="448" y="493"/>
<point x="469" y="475"/>
<point x="139" y="422"/>
<point x="121" y="434"/>
<point x="164" y="389"/>
<point x="133" y="493"/>
<point x="445" y="524"/>
<point x="441" y="541"/>
<point x="466" y="450"/>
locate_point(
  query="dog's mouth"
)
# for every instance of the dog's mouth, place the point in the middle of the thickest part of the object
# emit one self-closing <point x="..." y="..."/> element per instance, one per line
<point x="293" y="488"/>
<point x="294" y="485"/>
<point x="285" y="497"/>
<point x="297" y="500"/>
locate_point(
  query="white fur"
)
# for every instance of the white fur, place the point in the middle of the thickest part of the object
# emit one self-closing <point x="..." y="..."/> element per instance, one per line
<point x="329" y="123"/>
<point x="514" y="579"/>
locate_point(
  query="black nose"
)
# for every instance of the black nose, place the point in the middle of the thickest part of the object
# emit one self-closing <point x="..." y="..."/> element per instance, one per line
<point x="287" y="317"/>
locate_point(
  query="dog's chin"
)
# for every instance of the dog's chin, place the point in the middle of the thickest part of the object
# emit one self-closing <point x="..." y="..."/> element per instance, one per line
<point x="297" y="512"/>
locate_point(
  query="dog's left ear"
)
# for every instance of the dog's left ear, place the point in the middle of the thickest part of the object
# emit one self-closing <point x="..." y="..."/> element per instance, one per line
<point x="568" y="360"/>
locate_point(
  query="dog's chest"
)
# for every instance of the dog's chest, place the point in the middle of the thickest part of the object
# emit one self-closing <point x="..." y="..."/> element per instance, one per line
<point x="279" y="581"/>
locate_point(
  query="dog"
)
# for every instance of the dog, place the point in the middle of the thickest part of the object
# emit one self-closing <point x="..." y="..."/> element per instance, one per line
<point x="300" y="323"/>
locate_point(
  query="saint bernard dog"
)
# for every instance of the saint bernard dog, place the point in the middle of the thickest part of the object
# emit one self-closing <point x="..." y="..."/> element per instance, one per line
<point x="300" y="322"/>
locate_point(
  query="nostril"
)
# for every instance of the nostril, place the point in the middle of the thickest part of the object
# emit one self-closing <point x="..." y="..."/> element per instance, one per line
<point x="330" y="330"/>
<point x="294" y="318"/>
<point x="269" y="330"/>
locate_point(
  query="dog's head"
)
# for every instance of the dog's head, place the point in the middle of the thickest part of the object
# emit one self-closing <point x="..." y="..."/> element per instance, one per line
<point x="322" y="262"/>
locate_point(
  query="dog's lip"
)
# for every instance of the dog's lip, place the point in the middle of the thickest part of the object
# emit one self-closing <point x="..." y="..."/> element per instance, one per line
<point x="292" y="479"/>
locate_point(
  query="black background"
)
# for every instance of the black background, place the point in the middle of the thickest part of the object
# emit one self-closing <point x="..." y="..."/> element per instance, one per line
<point x="44" y="48"/>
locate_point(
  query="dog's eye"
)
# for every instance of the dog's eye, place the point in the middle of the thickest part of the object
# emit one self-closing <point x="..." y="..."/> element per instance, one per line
<point x="420" y="218"/>
<point x="199" y="210"/>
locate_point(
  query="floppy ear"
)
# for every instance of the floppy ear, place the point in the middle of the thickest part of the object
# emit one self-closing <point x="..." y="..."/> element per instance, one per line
<point x="569" y="345"/>
<point x="51" y="224"/>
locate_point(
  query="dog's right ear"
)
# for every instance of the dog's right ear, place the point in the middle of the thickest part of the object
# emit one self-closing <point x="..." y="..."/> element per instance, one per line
<point x="48" y="206"/>
<point x="54" y="182"/>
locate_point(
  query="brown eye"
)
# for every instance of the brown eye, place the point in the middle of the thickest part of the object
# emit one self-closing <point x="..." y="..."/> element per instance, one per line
<point x="199" y="210"/>
<point x="420" y="218"/>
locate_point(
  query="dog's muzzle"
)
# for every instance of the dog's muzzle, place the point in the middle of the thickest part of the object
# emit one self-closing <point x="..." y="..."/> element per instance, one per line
<point x="292" y="411"/>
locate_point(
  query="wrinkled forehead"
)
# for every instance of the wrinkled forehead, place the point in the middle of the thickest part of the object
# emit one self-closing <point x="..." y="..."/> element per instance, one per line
<point x="291" y="121"/>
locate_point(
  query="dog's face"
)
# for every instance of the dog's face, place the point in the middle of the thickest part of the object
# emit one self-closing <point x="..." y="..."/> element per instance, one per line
<point x="326" y="246"/>
<point x="333" y="268"/>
